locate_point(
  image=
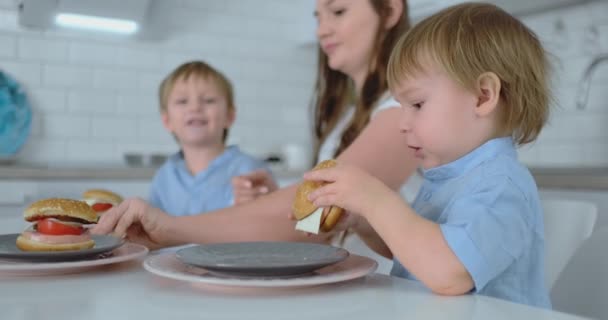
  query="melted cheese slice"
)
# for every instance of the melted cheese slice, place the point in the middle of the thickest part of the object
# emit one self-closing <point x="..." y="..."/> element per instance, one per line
<point x="312" y="223"/>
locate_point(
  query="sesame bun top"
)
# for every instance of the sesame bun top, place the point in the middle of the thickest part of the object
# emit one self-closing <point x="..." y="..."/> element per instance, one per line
<point x="100" y="195"/>
<point x="302" y="207"/>
<point x="62" y="209"/>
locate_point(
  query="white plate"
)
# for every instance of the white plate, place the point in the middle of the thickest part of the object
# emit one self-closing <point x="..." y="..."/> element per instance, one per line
<point x="128" y="251"/>
<point x="167" y="265"/>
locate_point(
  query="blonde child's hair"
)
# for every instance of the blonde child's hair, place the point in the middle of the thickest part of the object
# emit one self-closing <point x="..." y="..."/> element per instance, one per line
<point x="196" y="69"/>
<point x="470" y="39"/>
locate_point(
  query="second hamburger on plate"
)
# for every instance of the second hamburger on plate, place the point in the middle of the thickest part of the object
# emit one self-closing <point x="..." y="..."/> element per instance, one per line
<point x="101" y="200"/>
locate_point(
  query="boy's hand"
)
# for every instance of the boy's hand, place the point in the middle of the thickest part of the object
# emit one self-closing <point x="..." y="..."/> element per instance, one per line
<point x="249" y="186"/>
<point x="348" y="187"/>
<point x="135" y="220"/>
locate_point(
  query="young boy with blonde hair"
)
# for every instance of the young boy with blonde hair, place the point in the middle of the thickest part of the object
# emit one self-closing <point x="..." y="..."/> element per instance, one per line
<point x="473" y="84"/>
<point x="197" y="107"/>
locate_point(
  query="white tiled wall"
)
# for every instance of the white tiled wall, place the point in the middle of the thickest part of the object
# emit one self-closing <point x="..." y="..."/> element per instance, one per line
<point x="573" y="137"/>
<point x="95" y="96"/>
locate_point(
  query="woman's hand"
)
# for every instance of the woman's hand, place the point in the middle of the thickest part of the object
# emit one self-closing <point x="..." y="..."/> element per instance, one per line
<point x="250" y="186"/>
<point x="137" y="221"/>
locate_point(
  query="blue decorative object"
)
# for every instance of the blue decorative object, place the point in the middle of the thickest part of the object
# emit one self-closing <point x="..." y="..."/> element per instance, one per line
<point x="15" y="116"/>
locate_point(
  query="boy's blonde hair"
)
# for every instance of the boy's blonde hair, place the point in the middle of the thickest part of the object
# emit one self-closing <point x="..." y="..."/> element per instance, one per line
<point x="470" y="39"/>
<point x="196" y="69"/>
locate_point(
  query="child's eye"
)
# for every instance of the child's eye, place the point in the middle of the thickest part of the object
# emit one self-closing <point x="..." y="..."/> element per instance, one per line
<point x="417" y="105"/>
<point x="209" y="100"/>
<point x="339" y="12"/>
<point x="181" y="101"/>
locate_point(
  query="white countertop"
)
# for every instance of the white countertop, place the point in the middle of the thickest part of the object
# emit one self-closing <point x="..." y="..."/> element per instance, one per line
<point x="127" y="291"/>
<point x="563" y="178"/>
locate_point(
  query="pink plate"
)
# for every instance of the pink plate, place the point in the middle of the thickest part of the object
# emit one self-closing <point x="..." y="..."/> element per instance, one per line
<point x="126" y="252"/>
<point x="167" y="265"/>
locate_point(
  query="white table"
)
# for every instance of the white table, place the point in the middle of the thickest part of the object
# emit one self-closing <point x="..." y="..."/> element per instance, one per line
<point x="127" y="291"/>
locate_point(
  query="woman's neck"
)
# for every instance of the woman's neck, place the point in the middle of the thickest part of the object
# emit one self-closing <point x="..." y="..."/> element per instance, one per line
<point x="198" y="159"/>
<point x="359" y="79"/>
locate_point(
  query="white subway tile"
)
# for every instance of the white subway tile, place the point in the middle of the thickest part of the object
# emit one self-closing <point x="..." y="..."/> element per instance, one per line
<point x="91" y="102"/>
<point x="43" y="49"/>
<point x="43" y="150"/>
<point x="36" y="127"/>
<point x="197" y="45"/>
<point x="166" y="148"/>
<point x="145" y="57"/>
<point x="597" y="10"/>
<point x="67" y="76"/>
<point x="8" y="4"/>
<point x="91" y="151"/>
<point x="559" y="128"/>
<point x="47" y="99"/>
<point x="138" y="104"/>
<point x="596" y="153"/>
<point x="66" y="126"/>
<point x="27" y="73"/>
<point x="597" y="98"/>
<point x="94" y="54"/>
<point x="603" y="38"/>
<point x="149" y="81"/>
<point x="106" y="127"/>
<point x="528" y="154"/>
<point x="150" y="129"/>
<point x="8" y="45"/>
<point x="561" y="154"/>
<point x="594" y="127"/>
<point x="112" y="79"/>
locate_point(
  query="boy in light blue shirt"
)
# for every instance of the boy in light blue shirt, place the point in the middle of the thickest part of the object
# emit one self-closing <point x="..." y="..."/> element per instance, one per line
<point x="197" y="107"/>
<point x="472" y="82"/>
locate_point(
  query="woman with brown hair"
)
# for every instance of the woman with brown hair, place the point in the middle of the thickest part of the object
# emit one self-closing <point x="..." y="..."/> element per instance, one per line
<point x="356" y="120"/>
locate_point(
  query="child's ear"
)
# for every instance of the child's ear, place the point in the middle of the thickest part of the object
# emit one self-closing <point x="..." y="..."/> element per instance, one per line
<point x="231" y="117"/>
<point x="396" y="7"/>
<point x="488" y="88"/>
<point x="164" y="116"/>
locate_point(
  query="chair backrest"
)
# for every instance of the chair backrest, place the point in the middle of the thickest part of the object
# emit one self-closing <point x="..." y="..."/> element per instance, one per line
<point x="582" y="287"/>
<point x="568" y="223"/>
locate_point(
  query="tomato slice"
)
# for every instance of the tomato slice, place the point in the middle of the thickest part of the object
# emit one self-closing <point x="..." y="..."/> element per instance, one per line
<point x="54" y="227"/>
<point x="101" y="207"/>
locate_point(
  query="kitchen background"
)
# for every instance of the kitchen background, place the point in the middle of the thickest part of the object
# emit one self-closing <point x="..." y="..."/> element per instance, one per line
<point x="94" y="95"/>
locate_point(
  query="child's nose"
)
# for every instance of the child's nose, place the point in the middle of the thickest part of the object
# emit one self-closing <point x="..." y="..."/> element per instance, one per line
<point x="199" y="105"/>
<point x="405" y="121"/>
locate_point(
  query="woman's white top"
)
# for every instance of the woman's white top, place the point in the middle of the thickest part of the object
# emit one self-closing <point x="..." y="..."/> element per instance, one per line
<point x="408" y="190"/>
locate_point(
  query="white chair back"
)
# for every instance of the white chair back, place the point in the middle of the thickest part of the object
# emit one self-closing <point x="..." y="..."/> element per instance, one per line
<point x="568" y="223"/>
<point x="582" y="287"/>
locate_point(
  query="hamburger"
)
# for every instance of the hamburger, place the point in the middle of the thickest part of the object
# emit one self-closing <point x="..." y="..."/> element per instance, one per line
<point x="303" y="209"/>
<point x="101" y="200"/>
<point x="58" y="226"/>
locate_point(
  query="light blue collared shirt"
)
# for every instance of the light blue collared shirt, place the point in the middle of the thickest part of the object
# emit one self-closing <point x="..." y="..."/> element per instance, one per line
<point x="489" y="211"/>
<point x="176" y="191"/>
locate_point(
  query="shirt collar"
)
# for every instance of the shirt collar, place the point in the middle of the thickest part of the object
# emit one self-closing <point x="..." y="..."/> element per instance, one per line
<point x="180" y="163"/>
<point x="486" y="151"/>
